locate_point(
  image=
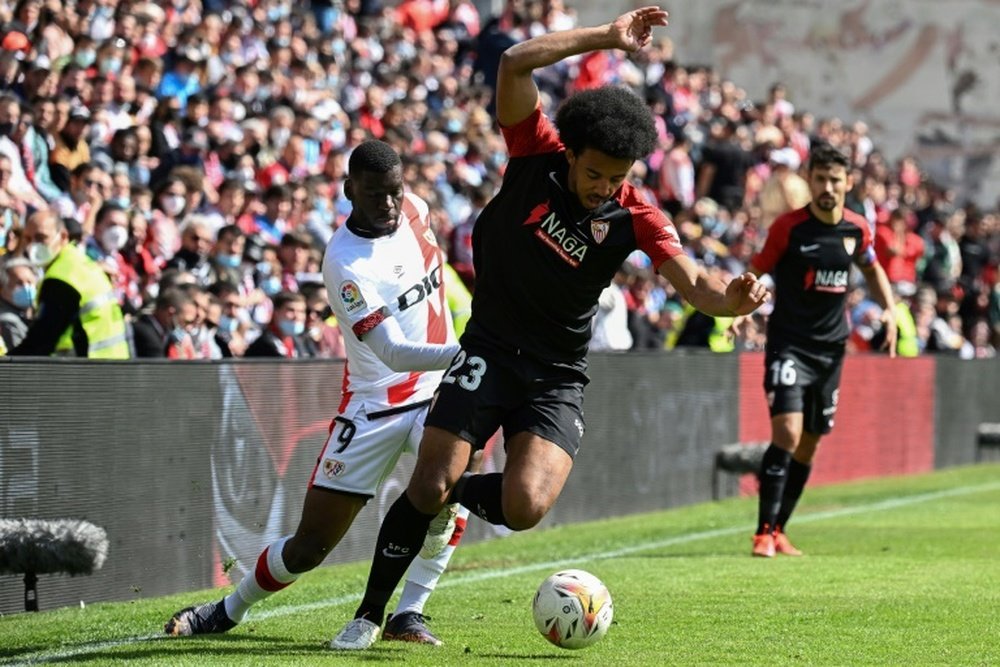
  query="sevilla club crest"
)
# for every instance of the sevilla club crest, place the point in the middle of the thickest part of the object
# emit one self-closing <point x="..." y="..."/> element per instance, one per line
<point x="599" y="229"/>
<point x="850" y="243"/>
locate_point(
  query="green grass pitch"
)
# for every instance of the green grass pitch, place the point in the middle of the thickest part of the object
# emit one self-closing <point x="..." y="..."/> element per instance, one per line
<point x="899" y="571"/>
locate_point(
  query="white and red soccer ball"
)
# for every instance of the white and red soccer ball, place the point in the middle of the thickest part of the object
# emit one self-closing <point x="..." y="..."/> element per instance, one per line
<point x="572" y="609"/>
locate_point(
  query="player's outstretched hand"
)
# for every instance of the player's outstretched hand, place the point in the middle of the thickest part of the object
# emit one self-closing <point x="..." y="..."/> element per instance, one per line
<point x="633" y="30"/>
<point x="889" y="326"/>
<point x="745" y="293"/>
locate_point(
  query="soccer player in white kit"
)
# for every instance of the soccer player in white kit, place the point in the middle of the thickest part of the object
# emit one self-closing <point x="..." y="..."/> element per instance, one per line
<point x="383" y="272"/>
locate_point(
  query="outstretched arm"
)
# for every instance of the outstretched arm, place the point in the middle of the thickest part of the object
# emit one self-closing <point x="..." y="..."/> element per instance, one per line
<point x="391" y="346"/>
<point x="741" y="296"/>
<point x="517" y="94"/>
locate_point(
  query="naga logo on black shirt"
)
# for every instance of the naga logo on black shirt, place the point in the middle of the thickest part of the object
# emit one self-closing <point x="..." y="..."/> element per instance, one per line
<point x="826" y="280"/>
<point x="553" y="233"/>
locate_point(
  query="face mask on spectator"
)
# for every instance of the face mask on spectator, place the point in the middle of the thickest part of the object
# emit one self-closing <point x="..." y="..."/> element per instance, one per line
<point x="114" y="238"/>
<point x="232" y="261"/>
<point x="120" y="201"/>
<point x="172" y="204"/>
<point x="228" y="324"/>
<point x="40" y="254"/>
<point x="6" y="129"/>
<point x="271" y="285"/>
<point x="110" y="66"/>
<point x="264" y="268"/>
<point x="85" y="58"/>
<point x="291" y="328"/>
<point x="23" y="296"/>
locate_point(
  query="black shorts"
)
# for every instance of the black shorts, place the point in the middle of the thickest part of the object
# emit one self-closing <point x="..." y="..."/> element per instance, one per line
<point x="797" y="379"/>
<point x="488" y="386"/>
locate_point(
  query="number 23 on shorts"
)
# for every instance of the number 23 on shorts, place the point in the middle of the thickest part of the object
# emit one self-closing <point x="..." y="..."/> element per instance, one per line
<point x="466" y="371"/>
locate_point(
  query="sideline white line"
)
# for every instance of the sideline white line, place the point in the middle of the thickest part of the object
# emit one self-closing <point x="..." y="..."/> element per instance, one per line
<point x="460" y="580"/>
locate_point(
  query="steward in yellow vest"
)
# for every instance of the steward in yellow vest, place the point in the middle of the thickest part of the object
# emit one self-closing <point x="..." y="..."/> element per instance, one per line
<point x="77" y="314"/>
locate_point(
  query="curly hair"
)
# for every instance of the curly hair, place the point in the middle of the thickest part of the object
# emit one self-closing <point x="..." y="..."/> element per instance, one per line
<point x="373" y="156"/>
<point x="825" y="155"/>
<point x="610" y="119"/>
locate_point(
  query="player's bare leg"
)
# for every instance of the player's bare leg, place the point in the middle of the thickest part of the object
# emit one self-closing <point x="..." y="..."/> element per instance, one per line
<point x="533" y="477"/>
<point x="326" y="516"/>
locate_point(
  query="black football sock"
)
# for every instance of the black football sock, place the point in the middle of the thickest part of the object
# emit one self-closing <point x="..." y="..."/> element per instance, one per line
<point x="482" y="495"/>
<point x="772" y="477"/>
<point x="798" y="475"/>
<point x="399" y="540"/>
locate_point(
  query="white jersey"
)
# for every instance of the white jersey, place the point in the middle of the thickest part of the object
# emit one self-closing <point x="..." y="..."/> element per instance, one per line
<point x="399" y="276"/>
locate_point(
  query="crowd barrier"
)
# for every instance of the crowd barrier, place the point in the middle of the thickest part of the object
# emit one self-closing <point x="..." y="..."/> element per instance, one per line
<point x="192" y="468"/>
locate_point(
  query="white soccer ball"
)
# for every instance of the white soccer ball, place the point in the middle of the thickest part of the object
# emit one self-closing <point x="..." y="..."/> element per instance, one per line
<point x="572" y="609"/>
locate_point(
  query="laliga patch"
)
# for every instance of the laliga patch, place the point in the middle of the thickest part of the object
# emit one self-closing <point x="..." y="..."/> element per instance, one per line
<point x="333" y="468"/>
<point x="351" y="297"/>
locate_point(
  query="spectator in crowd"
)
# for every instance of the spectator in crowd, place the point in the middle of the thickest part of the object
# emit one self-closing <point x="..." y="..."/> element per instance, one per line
<point x="78" y="313"/>
<point x="111" y="234"/>
<point x="272" y="223"/>
<point x="256" y="102"/>
<point x="283" y="336"/>
<point x="14" y="149"/>
<point x="232" y="324"/>
<point x="898" y="248"/>
<point x="784" y="190"/>
<point x="18" y="289"/>
<point x="677" y="176"/>
<point x="293" y="254"/>
<point x="227" y="255"/>
<point x="323" y="336"/>
<point x="193" y="256"/>
<point x="71" y="148"/>
<point x="152" y="332"/>
<point x="723" y="172"/>
<point x="610" y="326"/>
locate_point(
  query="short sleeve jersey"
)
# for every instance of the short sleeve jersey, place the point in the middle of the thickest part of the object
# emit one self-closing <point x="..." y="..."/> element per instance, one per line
<point x="811" y="263"/>
<point x="542" y="260"/>
<point x="371" y="279"/>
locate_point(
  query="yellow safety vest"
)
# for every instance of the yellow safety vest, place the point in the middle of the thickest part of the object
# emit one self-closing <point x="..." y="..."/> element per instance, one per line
<point x="719" y="339"/>
<point x="906" y="332"/>
<point x="100" y="314"/>
<point x="459" y="300"/>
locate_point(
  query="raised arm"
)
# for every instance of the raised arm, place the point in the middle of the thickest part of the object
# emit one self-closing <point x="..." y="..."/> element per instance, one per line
<point x="517" y="94"/>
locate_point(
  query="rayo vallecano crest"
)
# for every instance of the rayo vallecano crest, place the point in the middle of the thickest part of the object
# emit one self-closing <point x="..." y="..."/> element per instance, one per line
<point x="850" y="243"/>
<point x="599" y="229"/>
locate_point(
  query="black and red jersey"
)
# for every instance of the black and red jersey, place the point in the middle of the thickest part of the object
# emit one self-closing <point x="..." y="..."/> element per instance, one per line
<point x="541" y="259"/>
<point x="810" y="261"/>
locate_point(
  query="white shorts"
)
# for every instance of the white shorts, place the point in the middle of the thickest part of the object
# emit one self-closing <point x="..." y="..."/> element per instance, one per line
<point x="360" y="452"/>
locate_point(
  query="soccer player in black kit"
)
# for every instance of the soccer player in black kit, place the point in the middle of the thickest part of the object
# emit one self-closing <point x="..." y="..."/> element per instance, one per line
<point x="809" y="253"/>
<point x="544" y="248"/>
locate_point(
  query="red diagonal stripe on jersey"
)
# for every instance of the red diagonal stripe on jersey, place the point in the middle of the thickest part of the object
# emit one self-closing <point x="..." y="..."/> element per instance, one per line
<point x="437" y="323"/>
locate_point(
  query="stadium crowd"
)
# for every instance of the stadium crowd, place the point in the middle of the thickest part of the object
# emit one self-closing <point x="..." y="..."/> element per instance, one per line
<point x="196" y="150"/>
